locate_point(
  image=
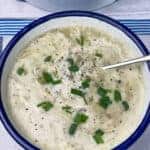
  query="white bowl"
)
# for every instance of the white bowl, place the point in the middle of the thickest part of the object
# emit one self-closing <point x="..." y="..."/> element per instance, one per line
<point x="63" y="19"/>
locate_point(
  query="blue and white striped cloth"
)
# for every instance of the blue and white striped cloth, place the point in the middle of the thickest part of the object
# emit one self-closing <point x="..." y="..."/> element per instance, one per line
<point x="12" y="26"/>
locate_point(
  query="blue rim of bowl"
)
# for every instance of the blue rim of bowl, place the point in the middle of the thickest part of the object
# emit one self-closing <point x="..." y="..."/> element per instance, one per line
<point x="3" y="115"/>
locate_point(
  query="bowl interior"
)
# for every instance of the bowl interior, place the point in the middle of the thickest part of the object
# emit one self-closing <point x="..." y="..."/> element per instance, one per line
<point x="64" y="22"/>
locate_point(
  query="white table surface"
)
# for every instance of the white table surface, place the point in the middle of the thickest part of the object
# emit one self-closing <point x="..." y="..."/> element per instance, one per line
<point x="122" y="9"/>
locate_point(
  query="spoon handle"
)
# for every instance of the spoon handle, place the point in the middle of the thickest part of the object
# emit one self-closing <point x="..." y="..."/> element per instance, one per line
<point x="132" y="61"/>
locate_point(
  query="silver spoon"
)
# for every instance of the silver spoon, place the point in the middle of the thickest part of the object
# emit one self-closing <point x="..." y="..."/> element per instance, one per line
<point x="132" y="61"/>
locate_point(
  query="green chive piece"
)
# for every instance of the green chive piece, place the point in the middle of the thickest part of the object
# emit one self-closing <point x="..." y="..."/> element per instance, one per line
<point x="102" y="92"/>
<point x="99" y="55"/>
<point x="80" y="118"/>
<point x="71" y="61"/>
<point x="67" y="109"/>
<point x="98" y="136"/>
<point x="73" y="67"/>
<point x="125" y="105"/>
<point x="47" y="78"/>
<point x="48" y="58"/>
<point x="105" y="102"/>
<point x="56" y="82"/>
<point x="86" y="83"/>
<point x="79" y="93"/>
<point x="81" y="40"/>
<point x="21" y="71"/>
<point x="46" y="105"/>
<point x="117" y="96"/>
<point x="73" y="128"/>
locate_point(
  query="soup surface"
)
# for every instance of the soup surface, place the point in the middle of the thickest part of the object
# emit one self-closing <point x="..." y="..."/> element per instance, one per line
<point x="60" y="98"/>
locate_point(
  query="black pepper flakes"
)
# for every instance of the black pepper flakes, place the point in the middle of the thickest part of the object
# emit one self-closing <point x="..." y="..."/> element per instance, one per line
<point x="82" y="63"/>
<point x="130" y="89"/>
<point x="36" y="141"/>
<point x="113" y="130"/>
<point x="82" y="75"/>
<point x="101" y="80"/>
<point x="117" y="70"/>
<point x="119" y="81"/>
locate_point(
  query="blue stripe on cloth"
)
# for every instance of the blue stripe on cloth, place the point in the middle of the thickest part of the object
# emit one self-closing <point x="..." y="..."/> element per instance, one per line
<point x="1" y="43"/>
<point x="12" y="26"/>
<point x="28" y="21"/>
<point x="7" y="34"/>
<point x="13" y="23"/>
<point x="129" y="23"/>
<point x="18" y="29"/>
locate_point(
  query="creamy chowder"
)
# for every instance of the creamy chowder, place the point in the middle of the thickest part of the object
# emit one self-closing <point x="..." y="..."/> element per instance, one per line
<point x="61" y="99"/>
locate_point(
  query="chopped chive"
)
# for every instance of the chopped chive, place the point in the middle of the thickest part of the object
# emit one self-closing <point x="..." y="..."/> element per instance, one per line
<point x="79" y="93"/>
<point x="80" y="118"/>
<point x="48" y="58"/>
<point x="73" y="128"/>
<point x="73" y="67"/>
<point x="56" y="82"/>
<point x="71" y="61"/>
<point x="98" y="136"/>
<point x="21" y="71"/>
<point x="105" y="102"/>
<point x="47" y="78"/>
<point x="102" y="92"/>
<point x="86" y="83"/>
<point x="117" y="96"/>
<point x="81" y="40"/>
<point x="46" y="105"/>
<point x="125" y="105"/>
<point x="67" y="109"/>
